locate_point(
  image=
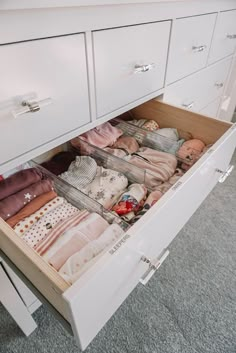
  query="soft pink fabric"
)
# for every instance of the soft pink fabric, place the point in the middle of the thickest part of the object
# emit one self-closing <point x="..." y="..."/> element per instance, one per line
<point x="127" y="143"/>
<point x="116" y="152"/>
<point x="160" y="166"/>
<point x="190" y="151"/>
<point x="89" y="229"/>
<point x="163" y="188"/>
<point x="101" y="136"/>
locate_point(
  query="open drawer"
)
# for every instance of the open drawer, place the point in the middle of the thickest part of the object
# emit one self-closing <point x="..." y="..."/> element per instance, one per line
<point x="92" y="299"/>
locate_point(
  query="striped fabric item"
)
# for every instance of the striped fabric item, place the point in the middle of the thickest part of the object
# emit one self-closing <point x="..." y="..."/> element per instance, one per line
<point x="59" y="229"/>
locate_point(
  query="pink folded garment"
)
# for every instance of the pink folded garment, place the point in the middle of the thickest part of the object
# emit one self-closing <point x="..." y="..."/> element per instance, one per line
<point x="127" y="143"/>
<point x="163" y="188"/>
<point x="19" y="181"/>
<point x="89" y="229"/>
<point x="14" y="203"/>
<point x="59" y="229"/>
<point x="190" y="151"/>
<point x="153" y="197"/>
<point x="101" y="136"/>
<point x="116" y="152"/>
<point x="73" y="267"/>
<point x="160" y="166"/>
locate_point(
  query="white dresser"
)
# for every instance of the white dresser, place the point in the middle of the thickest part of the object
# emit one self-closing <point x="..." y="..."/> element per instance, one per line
<point x="69" y="67"/>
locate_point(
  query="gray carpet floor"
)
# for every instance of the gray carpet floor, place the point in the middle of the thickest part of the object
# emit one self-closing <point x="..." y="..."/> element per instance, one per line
<point x="189" y="306"/>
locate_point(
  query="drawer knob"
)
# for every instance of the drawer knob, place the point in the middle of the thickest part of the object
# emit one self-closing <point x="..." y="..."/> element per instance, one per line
<point x="231" y="36"/>
<point x="153" y="266"/>
<point x="188" y="106"/>
<point x="219" y="84"/>
<point x="143" y="68"/>
<point x="225" y="174"/>
<point x="199" y="48"/>
<point x="28" y="106"/>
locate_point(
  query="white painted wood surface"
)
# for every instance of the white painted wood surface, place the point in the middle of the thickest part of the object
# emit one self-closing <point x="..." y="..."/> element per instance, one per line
<point x="50" y="68"/>
<point x="94" y="298"/>
<point x="222" y="44"/>
<point x="117" y="52"/>
<point x="199" y="89"/>
<point x="190" y="45"/>
<point x="13" y="303"/>
<point x="212" y="108"/>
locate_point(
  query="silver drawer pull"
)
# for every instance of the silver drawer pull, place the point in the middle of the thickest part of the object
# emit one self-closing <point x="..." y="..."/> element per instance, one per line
<point x="28" y="106"/>
<point x="225" y="174"/>
<point x="219" y="84"/>
<point x="188" y="106"/>
<point x="231" y="36"/>
<point x="153" y="266"/>
<point x="143" y="68"/>
<point x="199" y="48"/>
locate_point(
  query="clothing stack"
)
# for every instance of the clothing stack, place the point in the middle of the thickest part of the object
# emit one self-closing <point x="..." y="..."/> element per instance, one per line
<point x="68" y="238"/>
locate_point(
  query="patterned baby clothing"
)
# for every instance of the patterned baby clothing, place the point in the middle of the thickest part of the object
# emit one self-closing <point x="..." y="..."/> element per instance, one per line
<point x="73" y="267"/>
<point x="81" y="172"/>
<point x="153" y="197"/>
<point x="24" y="225"/>
<point x="14" y="203"/>
<point x="131" y="201"/>
<point x="19" y="181"/>
<point x="106" y="186"/>
<point x="40" y="229"/>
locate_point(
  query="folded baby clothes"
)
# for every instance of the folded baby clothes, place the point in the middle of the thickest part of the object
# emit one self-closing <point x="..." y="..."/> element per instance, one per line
<point x="59" y="230"/>
<point x="166" y="140"/>
<point x="191" y="150"/>
<point x="106" y="187"/>
<point x="137" y="122"/>
<point x="14" y="203"/>
<point x="101" y="136"/>
<point x="163" y="188"/>
<point x="87" y="230"/>
<point x="41" y="228"/>
<point x="19" y="181"/>
<point x="152" y="198"/>
<point x="131" y="200"/>
<point x="81" y="172"/>
<point x="150" y="125"/>
<point x="71" y="269"/>
<point x="127" y="144"/>
<point x="116" y="152"/>
<point x="160" y="166"/>
<point x="60" y="162"/>
<point x="32" y="207"/>
<point x="25" y="224"/>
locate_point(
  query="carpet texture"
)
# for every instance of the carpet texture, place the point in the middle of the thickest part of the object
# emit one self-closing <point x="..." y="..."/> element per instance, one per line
<point x="189" y="305"/>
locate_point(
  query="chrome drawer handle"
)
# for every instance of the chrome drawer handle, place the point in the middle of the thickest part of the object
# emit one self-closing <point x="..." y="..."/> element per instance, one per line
<point x="188" y="106"/>
<point x="219" y="85"/>
<point x="28" y="106"/>
<point x="231" y="36"/>
<point x="143" y="68"/>
<point x="199" y="48"/>
<point x="225" y="174"/>
<point x="153" y="266"/>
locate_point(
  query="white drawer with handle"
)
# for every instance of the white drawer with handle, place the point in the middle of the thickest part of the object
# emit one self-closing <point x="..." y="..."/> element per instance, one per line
<point x="44" y="82"/>
<point x="200" y="89"/>
<point x="93" y="298"/>
<point x="212" y="108"/>
<point x="129" y="63"/>
<point x="189" y="46"/>
<point x="224" y="38"/>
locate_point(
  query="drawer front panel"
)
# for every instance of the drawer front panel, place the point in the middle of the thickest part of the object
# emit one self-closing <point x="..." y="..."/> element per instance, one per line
<point x="200" y="89"/>
<point x="212" y="108"/>
<point x="52" y="68"/>
<point x="190" y="45"/>
<point x="224" y="39"/>
<point x="120" y="57"/>
<point x="94" y="298"/>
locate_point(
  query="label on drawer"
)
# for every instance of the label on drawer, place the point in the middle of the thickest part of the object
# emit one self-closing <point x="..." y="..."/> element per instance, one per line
<point x="119" y="243"/>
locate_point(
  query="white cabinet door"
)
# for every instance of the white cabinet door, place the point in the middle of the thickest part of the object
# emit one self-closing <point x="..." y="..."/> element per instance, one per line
<point x="52" y="68"/>
<point x="200" y="89"/>
<point x="190" y="45"/>
<point x="224" y="39"/>
<point x="129" y="63"/>
<point x="212" y="108"/>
